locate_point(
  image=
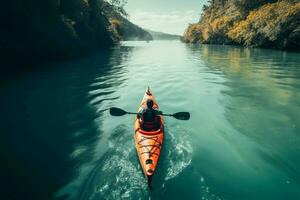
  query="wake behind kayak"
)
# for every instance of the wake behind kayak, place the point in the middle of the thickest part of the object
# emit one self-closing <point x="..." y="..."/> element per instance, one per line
<point x="149" y="135"/>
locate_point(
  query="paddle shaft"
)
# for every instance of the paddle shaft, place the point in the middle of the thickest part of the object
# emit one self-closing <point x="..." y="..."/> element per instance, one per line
<point x="159" y="114"/>
<point x="132" y="113"/>
<point x="120" y="112"/>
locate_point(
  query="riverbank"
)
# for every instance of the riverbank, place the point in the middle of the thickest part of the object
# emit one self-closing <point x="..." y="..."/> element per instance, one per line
<point x="274" y="25"/>
<point x="33" y="32"/>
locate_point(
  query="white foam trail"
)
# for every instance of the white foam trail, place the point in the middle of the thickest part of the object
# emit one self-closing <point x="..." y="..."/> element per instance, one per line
<point x="118" y="175"/>
<point x="179" y="153"/>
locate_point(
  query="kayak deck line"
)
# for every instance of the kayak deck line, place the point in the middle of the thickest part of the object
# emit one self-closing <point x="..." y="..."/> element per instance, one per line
<point x="157" y="144"/>
<point x="149" y="143"/>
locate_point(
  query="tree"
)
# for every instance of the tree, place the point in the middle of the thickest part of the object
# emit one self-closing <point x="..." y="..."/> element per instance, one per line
<point x="118" y="6"/>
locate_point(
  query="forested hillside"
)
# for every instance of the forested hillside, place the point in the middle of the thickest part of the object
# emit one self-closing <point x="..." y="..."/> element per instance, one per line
<point x="163" y="36"/>
<point x="35" y="30"/>
<point x="51" y="28"/>
<point x="121" y="28"/>
<point x="261" y="23"/>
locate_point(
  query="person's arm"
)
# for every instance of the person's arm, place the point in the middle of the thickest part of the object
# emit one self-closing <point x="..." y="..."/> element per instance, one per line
<point x="158" y="112"/>
<point x="140" y="112"/>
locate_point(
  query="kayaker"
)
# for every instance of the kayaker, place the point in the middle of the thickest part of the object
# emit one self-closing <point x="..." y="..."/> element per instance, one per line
<point x="149" y="117"/>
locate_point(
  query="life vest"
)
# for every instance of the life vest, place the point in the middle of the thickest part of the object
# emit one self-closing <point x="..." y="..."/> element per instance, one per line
<point x="150" y="120"/>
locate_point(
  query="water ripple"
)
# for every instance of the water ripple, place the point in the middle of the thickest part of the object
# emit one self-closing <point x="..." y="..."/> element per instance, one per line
<point x="178" y="151"/>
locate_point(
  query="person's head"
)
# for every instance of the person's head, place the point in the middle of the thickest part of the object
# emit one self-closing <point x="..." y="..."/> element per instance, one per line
<point x="149" y="103"/>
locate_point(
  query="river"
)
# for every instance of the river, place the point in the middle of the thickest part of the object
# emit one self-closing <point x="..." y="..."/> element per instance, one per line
<point x="242" y="142"/>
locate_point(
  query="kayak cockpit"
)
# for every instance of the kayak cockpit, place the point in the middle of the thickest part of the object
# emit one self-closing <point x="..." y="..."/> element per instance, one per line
<point x="150" y="132"/>
<point x="152" y="125"/>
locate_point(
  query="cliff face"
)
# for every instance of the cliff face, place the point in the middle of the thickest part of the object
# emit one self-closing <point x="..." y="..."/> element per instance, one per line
<point x="50" y="29"/>
<point x="121" y="28"/>
<point x="262" y="23"/>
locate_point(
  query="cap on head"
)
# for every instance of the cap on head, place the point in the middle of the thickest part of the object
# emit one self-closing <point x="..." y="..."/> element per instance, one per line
<point x="149" y="103"/>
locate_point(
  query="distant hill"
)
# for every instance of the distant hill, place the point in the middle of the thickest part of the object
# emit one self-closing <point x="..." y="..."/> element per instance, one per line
<point x="121" y="28"/>
<point x="163" y="36"/>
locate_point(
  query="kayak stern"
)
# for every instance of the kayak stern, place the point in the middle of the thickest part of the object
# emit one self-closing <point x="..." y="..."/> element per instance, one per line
<point x="149" y="180"/>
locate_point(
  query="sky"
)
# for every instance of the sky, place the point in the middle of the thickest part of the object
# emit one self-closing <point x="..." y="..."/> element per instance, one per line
<point x="169" y="16"/>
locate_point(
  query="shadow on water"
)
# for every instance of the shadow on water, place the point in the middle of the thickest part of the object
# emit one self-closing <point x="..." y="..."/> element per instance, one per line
<point x="48" y="128"/>
<point x="117" y="174"/>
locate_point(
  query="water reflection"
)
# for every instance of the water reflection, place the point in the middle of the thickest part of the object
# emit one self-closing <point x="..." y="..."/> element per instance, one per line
<point x="241" y="142"/>
<point x="99" y="96"/>
<point x="261" y="99"/>
<point x="49" y="129"/>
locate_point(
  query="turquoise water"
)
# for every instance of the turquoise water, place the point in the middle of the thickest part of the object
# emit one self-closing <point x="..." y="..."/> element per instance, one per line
<point x="242" y="141"/>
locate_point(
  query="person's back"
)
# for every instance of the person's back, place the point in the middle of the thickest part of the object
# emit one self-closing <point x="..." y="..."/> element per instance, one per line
<point x="149" y="117"/>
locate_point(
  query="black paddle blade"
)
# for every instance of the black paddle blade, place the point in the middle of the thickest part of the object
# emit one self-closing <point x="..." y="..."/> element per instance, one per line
<point x="182" y="115"/>
<point x="117" y="111"/>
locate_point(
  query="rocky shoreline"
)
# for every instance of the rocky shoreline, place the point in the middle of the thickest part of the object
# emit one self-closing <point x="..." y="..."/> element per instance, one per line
<point x="273" y="24"/>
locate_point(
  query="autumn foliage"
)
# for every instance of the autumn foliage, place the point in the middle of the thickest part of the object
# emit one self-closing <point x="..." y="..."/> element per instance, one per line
<point x="271" y="24"/>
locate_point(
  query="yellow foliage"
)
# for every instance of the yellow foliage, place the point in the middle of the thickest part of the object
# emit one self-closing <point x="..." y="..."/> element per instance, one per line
<point x="206" y="33"/>
<point x="197" y="32"/>
<point x="193" y="33"/>
<point x="220" y="23"/>
<point x="115" y="22"/>
<point x="269" y="23"/>
<point x="115" y="28"/>
<point x="268" y="17"/>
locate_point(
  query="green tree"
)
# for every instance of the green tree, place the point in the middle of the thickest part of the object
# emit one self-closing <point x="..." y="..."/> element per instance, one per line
<point x="118" y="6"/>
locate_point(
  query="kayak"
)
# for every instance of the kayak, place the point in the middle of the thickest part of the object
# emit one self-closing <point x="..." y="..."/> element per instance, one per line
<point x="149" y="143"/>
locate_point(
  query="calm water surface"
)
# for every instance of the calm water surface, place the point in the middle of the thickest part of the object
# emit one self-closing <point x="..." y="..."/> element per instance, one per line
<point x="242" y="142"/>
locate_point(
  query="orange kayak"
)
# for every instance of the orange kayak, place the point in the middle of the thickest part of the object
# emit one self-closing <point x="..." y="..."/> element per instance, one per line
<point x="149" y="143"/>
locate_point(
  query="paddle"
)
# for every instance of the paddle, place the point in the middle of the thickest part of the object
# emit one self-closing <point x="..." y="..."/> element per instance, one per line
<point x="119" y="112"/>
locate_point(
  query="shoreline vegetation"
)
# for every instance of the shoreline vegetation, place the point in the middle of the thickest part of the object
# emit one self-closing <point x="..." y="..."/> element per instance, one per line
<point x="121" y="28"/>
<point x="273" y="24"/>
<point x="34" y="31"/>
